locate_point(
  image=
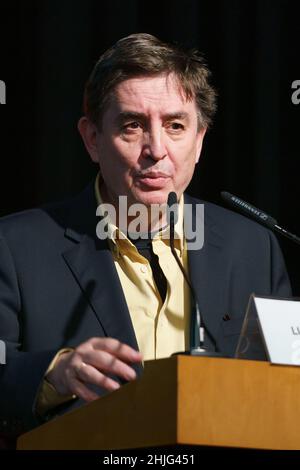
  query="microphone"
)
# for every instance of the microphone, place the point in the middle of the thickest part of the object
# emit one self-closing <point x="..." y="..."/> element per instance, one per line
<point x="258" y="215"/>
<point x="197" y="327"/>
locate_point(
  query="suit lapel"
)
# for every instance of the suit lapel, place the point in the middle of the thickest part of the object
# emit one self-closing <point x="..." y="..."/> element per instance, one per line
<point x="91" y="263"/>
<point x="207" y="268"/>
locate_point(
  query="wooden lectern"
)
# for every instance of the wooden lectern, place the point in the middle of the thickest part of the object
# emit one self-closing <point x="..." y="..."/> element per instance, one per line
<point x="186" y="400"/>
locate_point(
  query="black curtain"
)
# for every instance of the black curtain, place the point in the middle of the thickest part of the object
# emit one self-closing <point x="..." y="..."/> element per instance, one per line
<point x="47" y="49"/>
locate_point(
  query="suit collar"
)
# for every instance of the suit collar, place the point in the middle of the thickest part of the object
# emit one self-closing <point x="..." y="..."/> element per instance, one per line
<point x="82" y="219"/>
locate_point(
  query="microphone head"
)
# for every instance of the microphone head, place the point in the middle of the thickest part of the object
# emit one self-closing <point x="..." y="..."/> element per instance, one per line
<point x="172" y="209"/>
<point x="226" y="196"/>
<point x="172" y="199"/>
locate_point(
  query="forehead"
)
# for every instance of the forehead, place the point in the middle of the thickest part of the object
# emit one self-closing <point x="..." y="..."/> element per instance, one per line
<point x="151" y="94"/>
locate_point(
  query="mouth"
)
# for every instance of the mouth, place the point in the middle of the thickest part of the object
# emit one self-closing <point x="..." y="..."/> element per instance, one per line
<point x="156" y="180"/>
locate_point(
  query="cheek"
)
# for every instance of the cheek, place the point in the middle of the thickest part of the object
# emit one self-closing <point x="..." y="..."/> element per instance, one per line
<point x="186" y="171"/>
<point x="184" y="164"/>
<point x="116" y="164"/>
<point x="185" y="159"/>
<point x="125" y="153"/>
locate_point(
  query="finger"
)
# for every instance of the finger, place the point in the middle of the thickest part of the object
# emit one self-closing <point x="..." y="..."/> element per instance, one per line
<point x="81" y="391"/>
<point x="105" y="362"/>
<point x="116" y="348"/>
<point x="89" y="374"/>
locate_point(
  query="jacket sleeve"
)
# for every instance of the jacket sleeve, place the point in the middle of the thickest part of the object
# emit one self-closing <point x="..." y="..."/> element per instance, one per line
<point x="22" y="371"/>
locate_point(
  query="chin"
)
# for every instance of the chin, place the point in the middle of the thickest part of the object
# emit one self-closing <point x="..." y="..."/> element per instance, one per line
<point x="152" y="197"/>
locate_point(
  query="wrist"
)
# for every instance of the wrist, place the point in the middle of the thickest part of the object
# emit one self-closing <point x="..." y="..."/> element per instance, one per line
<point x="55" y="376"/>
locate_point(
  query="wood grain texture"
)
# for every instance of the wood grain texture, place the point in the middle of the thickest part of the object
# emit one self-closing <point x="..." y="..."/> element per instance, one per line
<point x="186" y="400"/>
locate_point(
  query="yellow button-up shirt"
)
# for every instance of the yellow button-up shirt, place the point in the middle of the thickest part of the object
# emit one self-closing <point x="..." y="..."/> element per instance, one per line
<point x="161" y="328"/>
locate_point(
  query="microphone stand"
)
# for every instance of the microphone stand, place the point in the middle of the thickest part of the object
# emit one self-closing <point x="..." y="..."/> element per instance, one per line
<point x="197" y="326"/>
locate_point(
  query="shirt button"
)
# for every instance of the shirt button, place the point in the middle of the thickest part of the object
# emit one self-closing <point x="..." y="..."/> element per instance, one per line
<point x="144" y="269"/>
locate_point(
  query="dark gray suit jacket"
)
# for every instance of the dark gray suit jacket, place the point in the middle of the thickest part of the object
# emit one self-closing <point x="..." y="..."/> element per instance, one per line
<point x="59" y="287"/>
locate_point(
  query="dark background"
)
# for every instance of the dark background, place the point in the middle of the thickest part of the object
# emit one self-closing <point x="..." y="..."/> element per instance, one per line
<point x="47" y="49"/>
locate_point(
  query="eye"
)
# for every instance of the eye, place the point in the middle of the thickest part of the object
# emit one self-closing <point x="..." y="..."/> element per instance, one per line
<point x="132" y="125"/>
<point x="176" y="126"/>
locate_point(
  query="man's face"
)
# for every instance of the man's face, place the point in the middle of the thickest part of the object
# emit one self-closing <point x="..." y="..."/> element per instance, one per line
<point x="149" y="141"/>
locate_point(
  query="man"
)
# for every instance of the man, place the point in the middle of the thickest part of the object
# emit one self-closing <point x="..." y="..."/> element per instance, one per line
<point x="78" y="314"/>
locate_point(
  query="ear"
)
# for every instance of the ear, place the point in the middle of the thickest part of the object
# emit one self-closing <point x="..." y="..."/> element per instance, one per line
<point x="199" y="142"/>
<point x="88" y="132"/>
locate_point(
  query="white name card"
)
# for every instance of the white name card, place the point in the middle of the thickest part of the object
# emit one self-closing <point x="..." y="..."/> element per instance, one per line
<point x="280" y="325"/>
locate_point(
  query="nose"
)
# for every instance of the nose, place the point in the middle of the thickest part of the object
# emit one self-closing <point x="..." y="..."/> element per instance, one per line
<point x="154" y="146"/>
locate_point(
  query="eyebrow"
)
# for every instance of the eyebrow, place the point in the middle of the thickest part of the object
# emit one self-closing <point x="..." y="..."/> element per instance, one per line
<point x="123" y="116"/>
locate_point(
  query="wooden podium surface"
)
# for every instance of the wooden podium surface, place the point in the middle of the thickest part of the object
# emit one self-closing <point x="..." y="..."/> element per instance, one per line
<point x="186" y="400"/>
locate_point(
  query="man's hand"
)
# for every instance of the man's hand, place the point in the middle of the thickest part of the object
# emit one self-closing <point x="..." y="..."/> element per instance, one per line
<point x="89" y="363"/>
